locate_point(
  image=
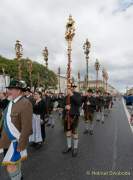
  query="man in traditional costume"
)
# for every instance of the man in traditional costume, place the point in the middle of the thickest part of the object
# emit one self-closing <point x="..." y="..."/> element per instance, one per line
<point x="74" y="113"/>
<point x="16" y="129"/>
<point x="89" y="107"/>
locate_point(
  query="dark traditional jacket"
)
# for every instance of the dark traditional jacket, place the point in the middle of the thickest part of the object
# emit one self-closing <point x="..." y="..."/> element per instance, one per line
<point x="40" y="109"/>
<point x="100" y="101"/>
<point x="89" y="103"/>
<point x="75" y="103"/>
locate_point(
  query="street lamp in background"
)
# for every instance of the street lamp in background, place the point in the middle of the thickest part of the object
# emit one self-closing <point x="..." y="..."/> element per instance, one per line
<point x="106" y="80"/>
<point x="29" y="62"/>
<point x="86" y="48"/>
<point x="4" y="76"/>
<point x="38" y="79"/>
<point x="97" y="67"/>
<point x="19" y="53"/>
<point x="79" y="80"/>
<point x="45" y="55"/>
<point x="103" y="75"/>
<point x="59" y="71"/>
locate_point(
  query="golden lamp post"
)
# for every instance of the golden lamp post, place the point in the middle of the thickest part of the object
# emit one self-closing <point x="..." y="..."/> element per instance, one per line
<point x="4" y="76"/>
<point x="30" y="68"/>
<point x="45" y="55"/>
<point x="59" y="71"/>
<point x="103" y="75"/>
<point x="86" y="48"/>
<point x="97" y="67"/>
<point x="19" y="53"/>
<point x="69" y="34"/>
<point x="79" y="80"/>
<point x="38" y="79"/>
<point x="106" y="80"/>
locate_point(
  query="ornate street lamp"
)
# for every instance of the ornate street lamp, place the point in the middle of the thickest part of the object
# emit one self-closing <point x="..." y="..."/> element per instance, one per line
<point x="38" y="79"/>
<point x="86" y="48"/>
<point x="45" y="55"/>
<point x="4" y="76"/>
<point x="106" y="80"/>
<point x="103" y="75"/>
<point x="69" y="34"/>
<point x="19" y="53"/>
<point x="29" y="62"/>
<point x="97" y="67"/>
<point x="59" y="79"/>
<point x="79" y="80"/>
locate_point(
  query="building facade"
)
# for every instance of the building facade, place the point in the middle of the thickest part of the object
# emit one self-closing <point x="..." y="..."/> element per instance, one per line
<point x="82" y="86"/>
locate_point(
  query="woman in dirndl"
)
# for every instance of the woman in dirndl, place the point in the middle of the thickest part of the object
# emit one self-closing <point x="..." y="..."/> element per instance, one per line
<point x="38" y="136"/>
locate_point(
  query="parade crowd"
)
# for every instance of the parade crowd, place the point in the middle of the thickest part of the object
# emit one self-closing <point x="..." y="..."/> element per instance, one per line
<point x="24" y="116"/>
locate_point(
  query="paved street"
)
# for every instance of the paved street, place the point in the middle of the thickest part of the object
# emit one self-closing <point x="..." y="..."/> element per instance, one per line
<point x="109" y="149"/>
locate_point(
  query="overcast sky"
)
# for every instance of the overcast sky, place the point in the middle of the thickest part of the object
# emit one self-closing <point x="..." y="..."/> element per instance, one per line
<point x="108" y="24"/>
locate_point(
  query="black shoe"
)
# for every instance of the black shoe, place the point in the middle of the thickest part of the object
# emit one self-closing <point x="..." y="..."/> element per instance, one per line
<point x="102" y="122"/>
<point x="52" y="126"/>
<point x="67" y="150"/>
<point x="39" y="145"/>
<point x="32" y="144"/>
<point x="22" y="178"/>
<point x="91" y="132"/>
<point x="86" y="131"/>
<point x="75" y="152"/>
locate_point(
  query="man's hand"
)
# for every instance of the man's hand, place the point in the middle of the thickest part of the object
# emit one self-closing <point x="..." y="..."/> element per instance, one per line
<point x="68" y="107"/>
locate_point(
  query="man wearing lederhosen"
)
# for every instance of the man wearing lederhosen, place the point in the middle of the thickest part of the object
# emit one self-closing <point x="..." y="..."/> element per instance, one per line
<point x="16" y="129"/>
<point x="74" y="109"/>
<point x="89" y="107"/>
<point x="99" y="107"/>
<point x="107" y="102"/>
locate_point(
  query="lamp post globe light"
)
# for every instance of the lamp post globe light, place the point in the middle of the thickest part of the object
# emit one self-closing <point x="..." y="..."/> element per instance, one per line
<point x="86" y="48"/>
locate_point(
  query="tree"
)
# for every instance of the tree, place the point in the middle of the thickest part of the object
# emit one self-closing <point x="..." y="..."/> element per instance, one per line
<point x="40" y="74"/>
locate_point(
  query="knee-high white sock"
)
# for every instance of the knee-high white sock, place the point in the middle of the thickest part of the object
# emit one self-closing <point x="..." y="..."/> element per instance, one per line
<point x="102" y="116"/>
<point x="69" y="142"/>
<point x="91" y="125"/>
<point x="87" y="125"/>
<point x="75" y="142"/>
<point x="16" y="175"/>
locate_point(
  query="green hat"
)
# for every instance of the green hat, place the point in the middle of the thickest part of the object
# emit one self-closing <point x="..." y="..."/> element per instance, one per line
<point x="16" y="84"/>
<point x="28" y="89"/>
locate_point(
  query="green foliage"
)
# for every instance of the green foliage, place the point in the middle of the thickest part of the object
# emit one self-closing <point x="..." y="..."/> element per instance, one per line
<point x="41" y="74"/>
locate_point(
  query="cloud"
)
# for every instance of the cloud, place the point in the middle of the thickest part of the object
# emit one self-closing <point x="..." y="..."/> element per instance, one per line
<point x="42" y="23"/>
